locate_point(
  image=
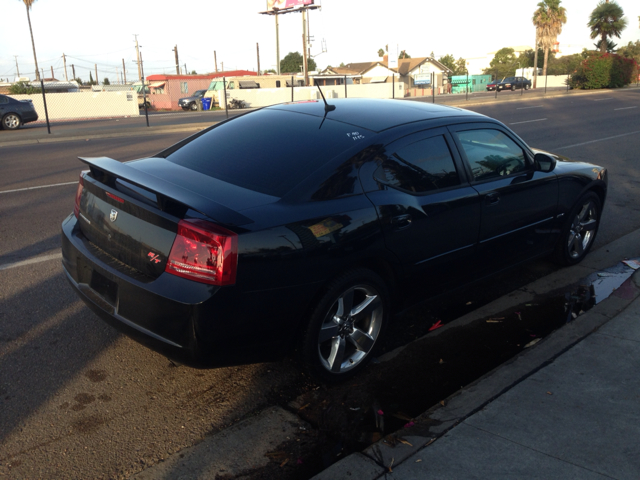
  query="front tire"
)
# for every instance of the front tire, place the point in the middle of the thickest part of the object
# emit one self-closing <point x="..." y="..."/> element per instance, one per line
<point x="579" y="231"/>
<point x="345" y="326"/>
<point x="194" y="107"/>
<point x="513" y="88"/>
<point x="11" y="121"/>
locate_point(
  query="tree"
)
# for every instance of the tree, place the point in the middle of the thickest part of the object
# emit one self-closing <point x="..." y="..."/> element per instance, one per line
<point x="503" y="64"/>
<point x="23" y="88"/>
<point x="106" y="81"/>
<point x="91" y="80"/>
<point x="78" y="80"/>
<point x="403" y="54"/>
<point x="193" y="72"/>
<point x="606" y="21"/>
<point x="457" y="67"/>
<point x="548" y="20"/>
<point x="609" y="48"/>
<point x="292" y="63"/>
<point x="28" y="4"/>
<point x="381" y="53"/>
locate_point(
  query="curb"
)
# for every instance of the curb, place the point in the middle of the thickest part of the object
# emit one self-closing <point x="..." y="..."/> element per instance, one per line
<point x="378" y="459"/>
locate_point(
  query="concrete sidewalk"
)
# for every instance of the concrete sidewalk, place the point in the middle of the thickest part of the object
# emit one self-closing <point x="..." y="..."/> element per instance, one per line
<point x="575" y="417"/>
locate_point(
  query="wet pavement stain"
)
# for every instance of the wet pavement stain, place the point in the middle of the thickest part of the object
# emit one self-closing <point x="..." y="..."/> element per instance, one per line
<point x="88" y="424"/>
<point x="96" y="375"/>
<point x="82" y="399"/>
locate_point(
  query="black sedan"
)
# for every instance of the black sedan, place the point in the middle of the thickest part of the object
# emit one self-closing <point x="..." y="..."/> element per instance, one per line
<point x="510" y="83"/>
<point x="303" y="226"/>
<point x="14" y="113"/>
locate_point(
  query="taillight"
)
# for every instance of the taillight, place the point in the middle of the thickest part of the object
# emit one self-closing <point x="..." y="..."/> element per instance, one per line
<point x="204" y="252"/>
<point x="76" y="208"/>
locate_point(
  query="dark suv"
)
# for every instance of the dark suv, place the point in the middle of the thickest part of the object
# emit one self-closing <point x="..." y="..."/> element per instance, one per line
<point x="191" y="103"/>
<point x="510" y="83"/>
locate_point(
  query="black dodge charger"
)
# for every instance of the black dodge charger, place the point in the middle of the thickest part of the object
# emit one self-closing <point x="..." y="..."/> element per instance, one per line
<point x="303" y="226"/>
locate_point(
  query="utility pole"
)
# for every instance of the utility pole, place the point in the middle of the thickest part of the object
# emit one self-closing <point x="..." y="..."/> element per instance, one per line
<point x="117" y="75"/>
<point x="215" y="60"/>
<point x="304" y="46"/>
<point x="124" y="72"/>
<point x="64" y="60"/>
<point x="222" y="65"/>
<point x="175" y="50"/>
<point x="17" y="69"/>
<point x="258" y="53"/>
<point x="186" y="72"/>
<point x="52" y="76"/>
<point x="73" y="70"/>
<point x="138" y="56"/>
<point x="96" y="67"/>
<point x="277" y="44"/>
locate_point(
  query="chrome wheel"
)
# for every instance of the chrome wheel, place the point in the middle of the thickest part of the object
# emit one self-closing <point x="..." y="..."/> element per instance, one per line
<point x="11" y="121"/>
<point x="582" y="230"/>
<point x="350" y="329"/>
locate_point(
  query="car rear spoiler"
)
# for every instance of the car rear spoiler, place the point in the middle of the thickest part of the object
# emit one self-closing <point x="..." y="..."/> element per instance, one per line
<point x="165" y="190"/>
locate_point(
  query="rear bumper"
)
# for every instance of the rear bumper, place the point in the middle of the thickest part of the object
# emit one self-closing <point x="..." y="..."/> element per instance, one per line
<point x="196" y="324"/>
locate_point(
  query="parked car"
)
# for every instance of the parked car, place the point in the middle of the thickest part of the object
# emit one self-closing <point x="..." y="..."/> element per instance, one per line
<point x="14" y="113"/>
<point x="191" y="103"/>
<point x="510" y="83"/>
<point x="219" y="250"/>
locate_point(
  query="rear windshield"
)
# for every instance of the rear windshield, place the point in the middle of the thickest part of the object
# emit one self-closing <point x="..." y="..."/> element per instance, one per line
<point x="269" y="151"/>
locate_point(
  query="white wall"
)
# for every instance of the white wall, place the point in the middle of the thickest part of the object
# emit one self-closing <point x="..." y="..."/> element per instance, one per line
<point x="262" y="97"/>
<point x="552" y="81"/>
<point x="76" y="105"/>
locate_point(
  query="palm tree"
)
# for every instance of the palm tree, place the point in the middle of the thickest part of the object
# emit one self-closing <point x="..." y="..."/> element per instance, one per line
<point x="28" y="4"/>
<point x="548" y="20"/>
<point x="606" y="21"/>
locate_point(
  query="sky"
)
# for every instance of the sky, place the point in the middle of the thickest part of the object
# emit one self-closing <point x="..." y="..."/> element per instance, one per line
<point x="102" y="33"/>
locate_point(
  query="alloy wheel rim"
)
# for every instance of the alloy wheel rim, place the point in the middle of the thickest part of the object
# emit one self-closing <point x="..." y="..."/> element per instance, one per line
<point x="350" y="329"/>
<point x="582" y="230"/>
<point x="11" y="121"/>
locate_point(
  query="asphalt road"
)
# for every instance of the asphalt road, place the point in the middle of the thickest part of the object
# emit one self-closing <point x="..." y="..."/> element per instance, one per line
<point x="77" y="400"/>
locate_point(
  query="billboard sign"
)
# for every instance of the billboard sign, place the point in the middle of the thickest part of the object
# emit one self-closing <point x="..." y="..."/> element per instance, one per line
<point x="422" y="79"/>
<point x="393" y="56"/>
<point x="285" y="4"/>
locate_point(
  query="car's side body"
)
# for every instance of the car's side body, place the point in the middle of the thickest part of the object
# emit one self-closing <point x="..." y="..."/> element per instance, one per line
<point x="14" y="113"/>
<point x="348" y="211"/>
<point x="510" y="83"/>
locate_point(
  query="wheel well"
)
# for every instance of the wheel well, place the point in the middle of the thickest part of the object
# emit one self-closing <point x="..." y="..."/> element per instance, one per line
<point x="379" y="266"/>
<point x="599" y="190"/>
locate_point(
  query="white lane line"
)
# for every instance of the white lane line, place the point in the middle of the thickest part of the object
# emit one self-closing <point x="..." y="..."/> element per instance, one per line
<point x="599" y="140"/>
<point x="35" y="188"/>
<point x="525" y="108"/>
<point x="45" y="258"/>
<point x="529" y="121"/>
<point x="601" y="99"/>
<point x="625" y="108"/>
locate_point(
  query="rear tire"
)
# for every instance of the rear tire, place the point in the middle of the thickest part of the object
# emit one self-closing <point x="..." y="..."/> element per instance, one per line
<point x="11" y="121"/>
<point x="346" y="325"/>
<point x="579" y="230"/>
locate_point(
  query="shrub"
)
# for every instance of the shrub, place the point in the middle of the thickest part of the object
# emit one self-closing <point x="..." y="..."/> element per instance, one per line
<point x="604" y="71"/>
<point x="23" y="88"/>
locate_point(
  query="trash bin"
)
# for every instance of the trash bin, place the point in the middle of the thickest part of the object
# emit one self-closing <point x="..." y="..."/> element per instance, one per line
<point x="206" y="103"/>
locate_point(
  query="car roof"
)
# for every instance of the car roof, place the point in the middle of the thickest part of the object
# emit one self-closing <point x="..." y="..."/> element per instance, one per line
<point x="374" y="114"/>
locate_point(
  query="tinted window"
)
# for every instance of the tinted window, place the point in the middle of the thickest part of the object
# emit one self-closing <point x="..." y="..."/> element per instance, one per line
<point x="420" y="167"/>
<point x="269" y="151"/>
<point x="4" y="99"/>
<point x="491" y="154"/>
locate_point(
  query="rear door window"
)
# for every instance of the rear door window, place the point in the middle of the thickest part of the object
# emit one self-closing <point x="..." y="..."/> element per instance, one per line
<point x="420" y="167"/>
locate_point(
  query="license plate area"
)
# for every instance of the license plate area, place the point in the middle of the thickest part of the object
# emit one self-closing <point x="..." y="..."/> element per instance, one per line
<point x="106" y="288"/>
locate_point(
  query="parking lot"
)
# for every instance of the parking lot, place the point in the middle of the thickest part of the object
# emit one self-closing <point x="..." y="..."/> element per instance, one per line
<point x="80" y="401"/>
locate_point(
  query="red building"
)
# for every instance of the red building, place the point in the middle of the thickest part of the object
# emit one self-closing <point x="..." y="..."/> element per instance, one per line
<point x="166" y="90"/>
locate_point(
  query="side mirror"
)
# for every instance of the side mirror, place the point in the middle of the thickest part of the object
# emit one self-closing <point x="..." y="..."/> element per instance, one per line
<point x="544" y="163"/>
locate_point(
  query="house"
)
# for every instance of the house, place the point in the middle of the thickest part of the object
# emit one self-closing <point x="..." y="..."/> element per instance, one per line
<point x="413" y="72"/>
<point x="166" y="90"/>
